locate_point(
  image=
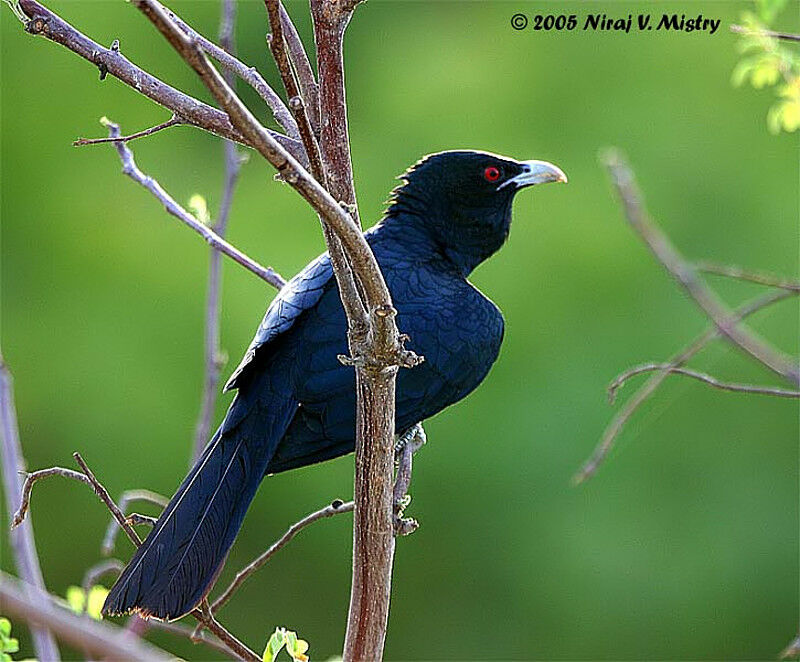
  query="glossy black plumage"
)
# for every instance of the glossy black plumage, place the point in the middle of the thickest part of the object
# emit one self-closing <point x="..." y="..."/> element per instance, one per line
<point x="296" y="403"/>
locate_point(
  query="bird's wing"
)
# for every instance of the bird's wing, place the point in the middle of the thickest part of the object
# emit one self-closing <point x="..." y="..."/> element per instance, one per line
<point x="297" y="296"/>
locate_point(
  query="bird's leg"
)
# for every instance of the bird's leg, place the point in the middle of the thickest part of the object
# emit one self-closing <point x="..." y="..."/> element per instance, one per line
<point x="405" y="447"/>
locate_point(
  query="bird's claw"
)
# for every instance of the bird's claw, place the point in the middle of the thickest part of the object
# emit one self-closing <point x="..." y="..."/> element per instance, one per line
<point x="414" y="437"/>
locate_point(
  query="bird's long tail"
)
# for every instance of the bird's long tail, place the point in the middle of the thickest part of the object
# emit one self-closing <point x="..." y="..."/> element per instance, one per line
<point x="176" y="565"/>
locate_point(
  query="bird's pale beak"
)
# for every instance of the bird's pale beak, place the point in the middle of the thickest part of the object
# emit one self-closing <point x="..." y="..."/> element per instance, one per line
<point x="536" y="172"/>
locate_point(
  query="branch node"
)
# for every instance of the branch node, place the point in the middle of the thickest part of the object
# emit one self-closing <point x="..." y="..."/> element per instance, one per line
<point x="405" y="526"/>
<point x="37" y="25"/>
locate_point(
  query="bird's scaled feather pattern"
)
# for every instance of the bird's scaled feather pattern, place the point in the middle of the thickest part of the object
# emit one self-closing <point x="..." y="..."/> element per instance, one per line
<point x="295" y="403"/>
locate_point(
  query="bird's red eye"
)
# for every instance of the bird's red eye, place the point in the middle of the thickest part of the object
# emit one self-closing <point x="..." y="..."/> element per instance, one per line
<point x="491" y="174"/>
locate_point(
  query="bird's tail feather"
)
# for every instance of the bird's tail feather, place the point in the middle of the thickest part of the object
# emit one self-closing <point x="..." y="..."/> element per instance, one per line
<point x="176" y="565"/>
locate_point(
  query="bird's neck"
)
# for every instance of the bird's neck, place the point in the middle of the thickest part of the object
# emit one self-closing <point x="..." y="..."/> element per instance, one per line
<point x="465" y="237"/>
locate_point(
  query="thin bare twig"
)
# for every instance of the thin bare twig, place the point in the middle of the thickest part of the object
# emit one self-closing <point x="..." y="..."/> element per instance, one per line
<point x="613" y="429"/>
<point x="785" y="36"/>
<point x="34" y="606"/>
<point x="136" y="519"/>
<point x="757" y="277"/>
<point x="189" y="633"/>
<point x="31" y="479"/>
<point x="277" y="45"/>
<point x="23" y="543"/>
<point x="301" y="65"/>
<point x="130" y="168"/>
<point x="109" y="540"/>
<point x="662" y="248"/>
<point x="98" y="570"/>
<point x="240" y="650"/>
<point x="174" y="121"/>
<point x="249" y="75"/>
<point x="334" y="508"/>
<point x="46" y="23"/>
<point x="105" y="497"/>
<point x="621" y="379"/>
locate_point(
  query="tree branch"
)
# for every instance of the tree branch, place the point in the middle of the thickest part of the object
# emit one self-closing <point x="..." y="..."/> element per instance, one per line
<point x="334" y="508"/>
<point x="214" y="358"/>
<point x="173" y="121"/>
<point x="23" y="543"/>
<point x="611" y="432"/>
<point x="240" y="650"/>
<point x="109" y="540"/>
<point x="620" y="380"/>
<point x="277" y="46"/>
<point x="757" y="277"/>
<point x="661" y="247"/>
<point x="102" y="641"/>
<point x="130" y="168"/>
<point x="46" y="23"/>
<point x="301" y="66"/>
<point x="249" y="75"/>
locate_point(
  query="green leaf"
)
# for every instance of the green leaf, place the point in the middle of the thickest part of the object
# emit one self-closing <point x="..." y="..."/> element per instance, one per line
<point x="276" y="642"/>
<point x="94" y="603"/>
<point x="11" y="645"/>
<point x="5" y="627"/>
<point x="76" y="598"/>
<point x="199" y="207"/>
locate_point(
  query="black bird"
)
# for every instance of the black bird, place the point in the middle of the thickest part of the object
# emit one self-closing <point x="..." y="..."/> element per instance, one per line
<point x="295" y="403"/>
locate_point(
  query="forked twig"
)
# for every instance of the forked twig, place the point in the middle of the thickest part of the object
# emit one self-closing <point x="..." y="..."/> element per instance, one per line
<point x="613" y="429"/>
<point x="130" y="168"/>
<point x="621" y="379"/>
<point x="663" y="249"/>
<point x="173" y="121"/>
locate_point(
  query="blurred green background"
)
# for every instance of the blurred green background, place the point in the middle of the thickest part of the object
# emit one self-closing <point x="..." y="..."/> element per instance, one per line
<point x="685" y="545"/>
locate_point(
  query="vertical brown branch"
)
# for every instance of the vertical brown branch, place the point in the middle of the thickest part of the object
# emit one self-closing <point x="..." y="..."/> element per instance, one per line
<point x="373" y="531"/>
<point x="23" y="543"/>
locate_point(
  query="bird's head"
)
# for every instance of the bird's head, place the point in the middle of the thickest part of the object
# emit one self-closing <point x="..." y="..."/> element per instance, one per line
<point x="463" y="198"/>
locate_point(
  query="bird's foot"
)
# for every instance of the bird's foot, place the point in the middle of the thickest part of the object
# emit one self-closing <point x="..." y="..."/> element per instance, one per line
<point x="414" y="437"/>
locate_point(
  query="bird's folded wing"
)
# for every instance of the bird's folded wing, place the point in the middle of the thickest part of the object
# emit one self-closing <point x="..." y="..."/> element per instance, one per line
<point x="297" y="296"/>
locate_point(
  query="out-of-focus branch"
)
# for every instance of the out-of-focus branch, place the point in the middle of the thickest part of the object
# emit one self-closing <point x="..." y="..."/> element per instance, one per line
<point x="784" y="36"/>
<point x="757" y="277"/>
<point x="621" y="379"/>
<point x="130" y="168"/>
<point x="611" y="432"/>
<point x="792" y="651"/>
<point x="662" y="248"/>
<point x="238" y="648"/>
<point x="213" y="358"/>
<point x="23" y="543"/>
<point x="46" y="23"/>
<point x="98" y="570"/>
<point x="102" y="641"/>
<point x="174" y="121"/>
